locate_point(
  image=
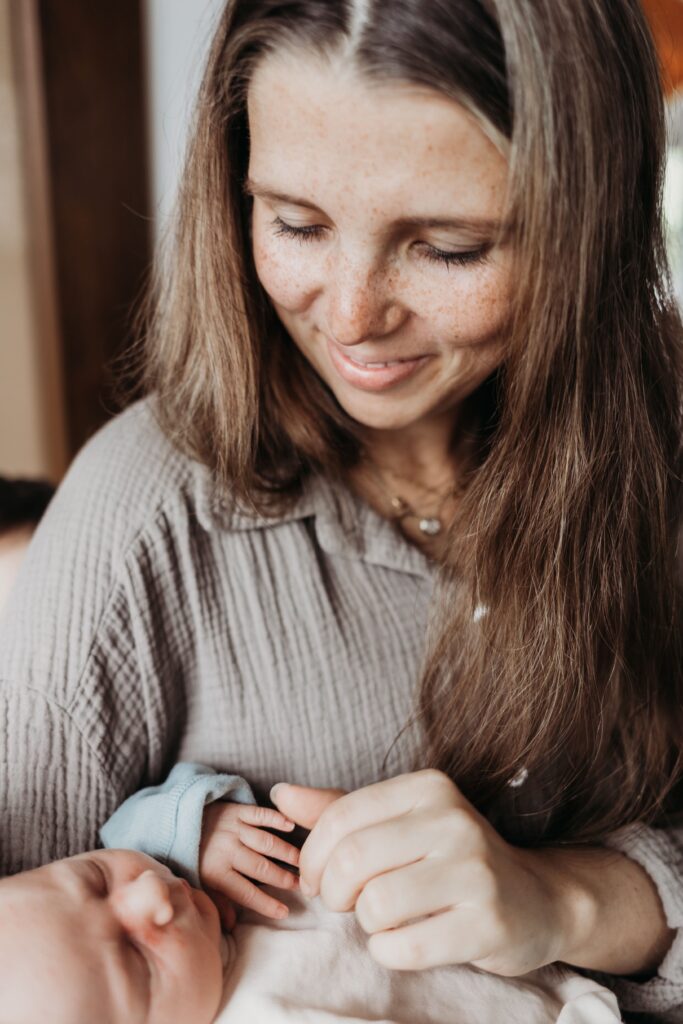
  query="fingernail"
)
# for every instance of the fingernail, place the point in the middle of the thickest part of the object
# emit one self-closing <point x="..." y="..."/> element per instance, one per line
<point x="275" y="789"/>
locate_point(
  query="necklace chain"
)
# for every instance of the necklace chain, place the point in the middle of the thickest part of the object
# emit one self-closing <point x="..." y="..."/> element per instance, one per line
<point x="429" y="525"/>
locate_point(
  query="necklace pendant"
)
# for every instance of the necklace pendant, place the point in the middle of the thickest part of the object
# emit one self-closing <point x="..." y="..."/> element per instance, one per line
<point x="400" y="506"/>
<point x="430" y="526"/>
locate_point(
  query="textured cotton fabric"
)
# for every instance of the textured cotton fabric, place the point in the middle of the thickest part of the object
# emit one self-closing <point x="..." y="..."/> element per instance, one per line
<point x="313" y="967"/>
<point x="154" y="623"/>
<point x="165" y="821"/>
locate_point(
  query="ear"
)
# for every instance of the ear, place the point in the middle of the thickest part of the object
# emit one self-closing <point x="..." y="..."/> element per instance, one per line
<point x="303" y="804"/>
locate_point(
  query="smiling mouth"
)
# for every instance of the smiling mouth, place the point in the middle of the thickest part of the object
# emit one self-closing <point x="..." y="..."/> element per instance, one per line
<point x="373" y="375"/>
<point x="379" y="366"/>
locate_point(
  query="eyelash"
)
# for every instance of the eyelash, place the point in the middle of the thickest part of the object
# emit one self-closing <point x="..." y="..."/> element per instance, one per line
<point x="313" y="231"/>
<point x="102" y="881"/>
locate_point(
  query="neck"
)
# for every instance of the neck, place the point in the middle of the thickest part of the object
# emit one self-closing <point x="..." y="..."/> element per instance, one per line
<point x="427" y="453"/>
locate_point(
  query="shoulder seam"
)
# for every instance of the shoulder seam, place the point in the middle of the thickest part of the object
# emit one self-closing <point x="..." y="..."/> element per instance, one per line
<point x="66" y="713"/>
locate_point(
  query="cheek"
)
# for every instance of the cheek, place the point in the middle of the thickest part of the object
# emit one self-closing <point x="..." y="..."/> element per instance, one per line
<point x="285" y="271"/>
<point x="473" y="308"/>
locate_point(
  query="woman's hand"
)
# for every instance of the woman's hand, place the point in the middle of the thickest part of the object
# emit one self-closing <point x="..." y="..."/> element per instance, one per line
<point x="413" y="846"/>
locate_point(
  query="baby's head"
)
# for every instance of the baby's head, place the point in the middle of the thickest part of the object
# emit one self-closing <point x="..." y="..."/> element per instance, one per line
<point x="109" y="937"/>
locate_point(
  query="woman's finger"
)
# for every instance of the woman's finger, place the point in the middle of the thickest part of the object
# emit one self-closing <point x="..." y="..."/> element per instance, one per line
<point x="268" y="845"/>
<point x="392" y="844"/>
<point x="369" y="806"/>
<point x="427" y="887"/>
<point x="238" y="888"/>
<point x="264" y="817"/>
<point x="303" y="804"/>
<point x="253" y="865"/>
<point x="452" y="937"/>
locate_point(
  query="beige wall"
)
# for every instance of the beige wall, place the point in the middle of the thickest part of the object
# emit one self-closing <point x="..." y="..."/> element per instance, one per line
<point x="31" y="427"/>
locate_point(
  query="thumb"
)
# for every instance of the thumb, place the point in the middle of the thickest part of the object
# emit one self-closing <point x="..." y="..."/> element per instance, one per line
<point x="303" y="804"/>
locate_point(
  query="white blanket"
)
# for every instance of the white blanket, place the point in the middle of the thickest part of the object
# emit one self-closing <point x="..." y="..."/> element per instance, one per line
<point x="314" y="968"/>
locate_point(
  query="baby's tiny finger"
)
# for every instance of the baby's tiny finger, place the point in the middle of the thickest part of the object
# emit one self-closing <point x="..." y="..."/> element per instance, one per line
<point x="249" y="895"/>
<point x="264" y="817"/>
<point x="253" y="865"/>
<point x="268" y="845"/>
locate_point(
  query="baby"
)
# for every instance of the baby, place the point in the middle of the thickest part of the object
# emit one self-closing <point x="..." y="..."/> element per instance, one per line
<point x="115" y="936"/>
<point x="110" y="937"/>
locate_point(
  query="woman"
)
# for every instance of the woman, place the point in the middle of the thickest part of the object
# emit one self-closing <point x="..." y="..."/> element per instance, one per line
<point x="413" y="362"/>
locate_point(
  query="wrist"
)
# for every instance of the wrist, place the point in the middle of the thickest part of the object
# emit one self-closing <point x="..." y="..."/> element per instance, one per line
<point x="608" y="913"/>
<point x="573" y="898"/>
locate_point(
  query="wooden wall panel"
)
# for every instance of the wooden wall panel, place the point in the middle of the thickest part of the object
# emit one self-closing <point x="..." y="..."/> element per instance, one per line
<point x="32" y="422"/>
<point x="93" y="77"/>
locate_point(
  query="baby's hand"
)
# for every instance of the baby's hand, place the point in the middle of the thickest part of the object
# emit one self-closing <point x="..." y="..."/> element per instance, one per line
<point x="234" y="849"/>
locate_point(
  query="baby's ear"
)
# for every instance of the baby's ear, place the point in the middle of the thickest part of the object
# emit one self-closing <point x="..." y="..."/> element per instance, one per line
<point x="303" y="804"/>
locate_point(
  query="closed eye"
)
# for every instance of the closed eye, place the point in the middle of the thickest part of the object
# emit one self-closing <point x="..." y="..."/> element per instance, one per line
<point x="461" y="259"/>
<point x="95" y="877"/>
<point x="311" y="232"/>
<point x="302" y="233"/>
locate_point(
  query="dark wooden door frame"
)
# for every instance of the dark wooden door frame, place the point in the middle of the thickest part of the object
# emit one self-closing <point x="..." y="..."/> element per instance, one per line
<point x="82" y="83"/>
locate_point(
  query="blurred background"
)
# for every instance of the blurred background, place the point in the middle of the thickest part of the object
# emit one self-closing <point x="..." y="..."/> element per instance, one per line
<point x="94" y="106"/>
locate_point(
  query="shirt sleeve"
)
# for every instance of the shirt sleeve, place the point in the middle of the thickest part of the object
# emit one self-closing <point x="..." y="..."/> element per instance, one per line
<point x="91" y="678"/>
<point x="166" y="821"/>
<point x="54" y="793"/>
<point x="659" y="851"/>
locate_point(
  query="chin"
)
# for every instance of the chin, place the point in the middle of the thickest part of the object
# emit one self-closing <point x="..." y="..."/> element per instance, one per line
<point x="376" y="413"/>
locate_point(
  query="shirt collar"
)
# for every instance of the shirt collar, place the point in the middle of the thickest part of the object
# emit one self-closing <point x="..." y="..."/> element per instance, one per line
<point x="345" y="525"/>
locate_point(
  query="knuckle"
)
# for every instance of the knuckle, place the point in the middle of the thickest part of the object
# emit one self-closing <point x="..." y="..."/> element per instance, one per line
<point x="435" y="781"/>
<point x="413" y="951"/>
<point x="249" y="897"/>
<point x="338" y="819"/>
<point x="267" y="843"/>
<point x="346" y="857"/>
<point x="456" y="823"/>
<point x="373" y="906"/>
<point x="262" y="869"/>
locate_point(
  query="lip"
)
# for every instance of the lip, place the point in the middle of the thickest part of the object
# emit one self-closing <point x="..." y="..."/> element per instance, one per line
<point x="368" y="379"/>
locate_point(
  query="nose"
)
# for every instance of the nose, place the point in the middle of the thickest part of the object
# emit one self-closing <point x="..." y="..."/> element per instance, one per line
<point x="361" y="303"/>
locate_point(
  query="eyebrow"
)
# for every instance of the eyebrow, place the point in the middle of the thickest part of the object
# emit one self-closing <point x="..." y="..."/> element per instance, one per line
<point x="254" y="188"/>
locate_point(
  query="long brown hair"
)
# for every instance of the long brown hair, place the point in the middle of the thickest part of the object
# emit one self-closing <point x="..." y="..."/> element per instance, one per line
<point x="567" y="527"/>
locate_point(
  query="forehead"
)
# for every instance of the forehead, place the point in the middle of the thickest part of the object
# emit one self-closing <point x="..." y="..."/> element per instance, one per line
<point x="57" y="966"/>
<point x="320" y="123"/>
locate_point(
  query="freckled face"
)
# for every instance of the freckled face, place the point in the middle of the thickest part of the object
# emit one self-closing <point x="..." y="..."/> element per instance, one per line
<point x="374" y="215"/>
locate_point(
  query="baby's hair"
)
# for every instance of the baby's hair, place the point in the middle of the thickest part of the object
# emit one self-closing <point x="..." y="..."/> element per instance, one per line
<point x="23" y="502"/>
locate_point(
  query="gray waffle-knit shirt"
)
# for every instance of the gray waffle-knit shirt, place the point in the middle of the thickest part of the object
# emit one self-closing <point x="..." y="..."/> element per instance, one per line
<point x="154" y="623"/>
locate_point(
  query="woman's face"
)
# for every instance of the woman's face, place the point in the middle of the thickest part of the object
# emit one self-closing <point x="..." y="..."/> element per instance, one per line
<point x="375" y="212"/>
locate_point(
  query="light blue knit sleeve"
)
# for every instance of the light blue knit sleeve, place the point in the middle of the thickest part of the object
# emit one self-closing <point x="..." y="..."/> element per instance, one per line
<point x="166" y="821"/>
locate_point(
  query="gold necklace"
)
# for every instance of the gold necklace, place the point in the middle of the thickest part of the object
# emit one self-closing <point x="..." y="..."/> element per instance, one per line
<point x="429" y="525"/>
